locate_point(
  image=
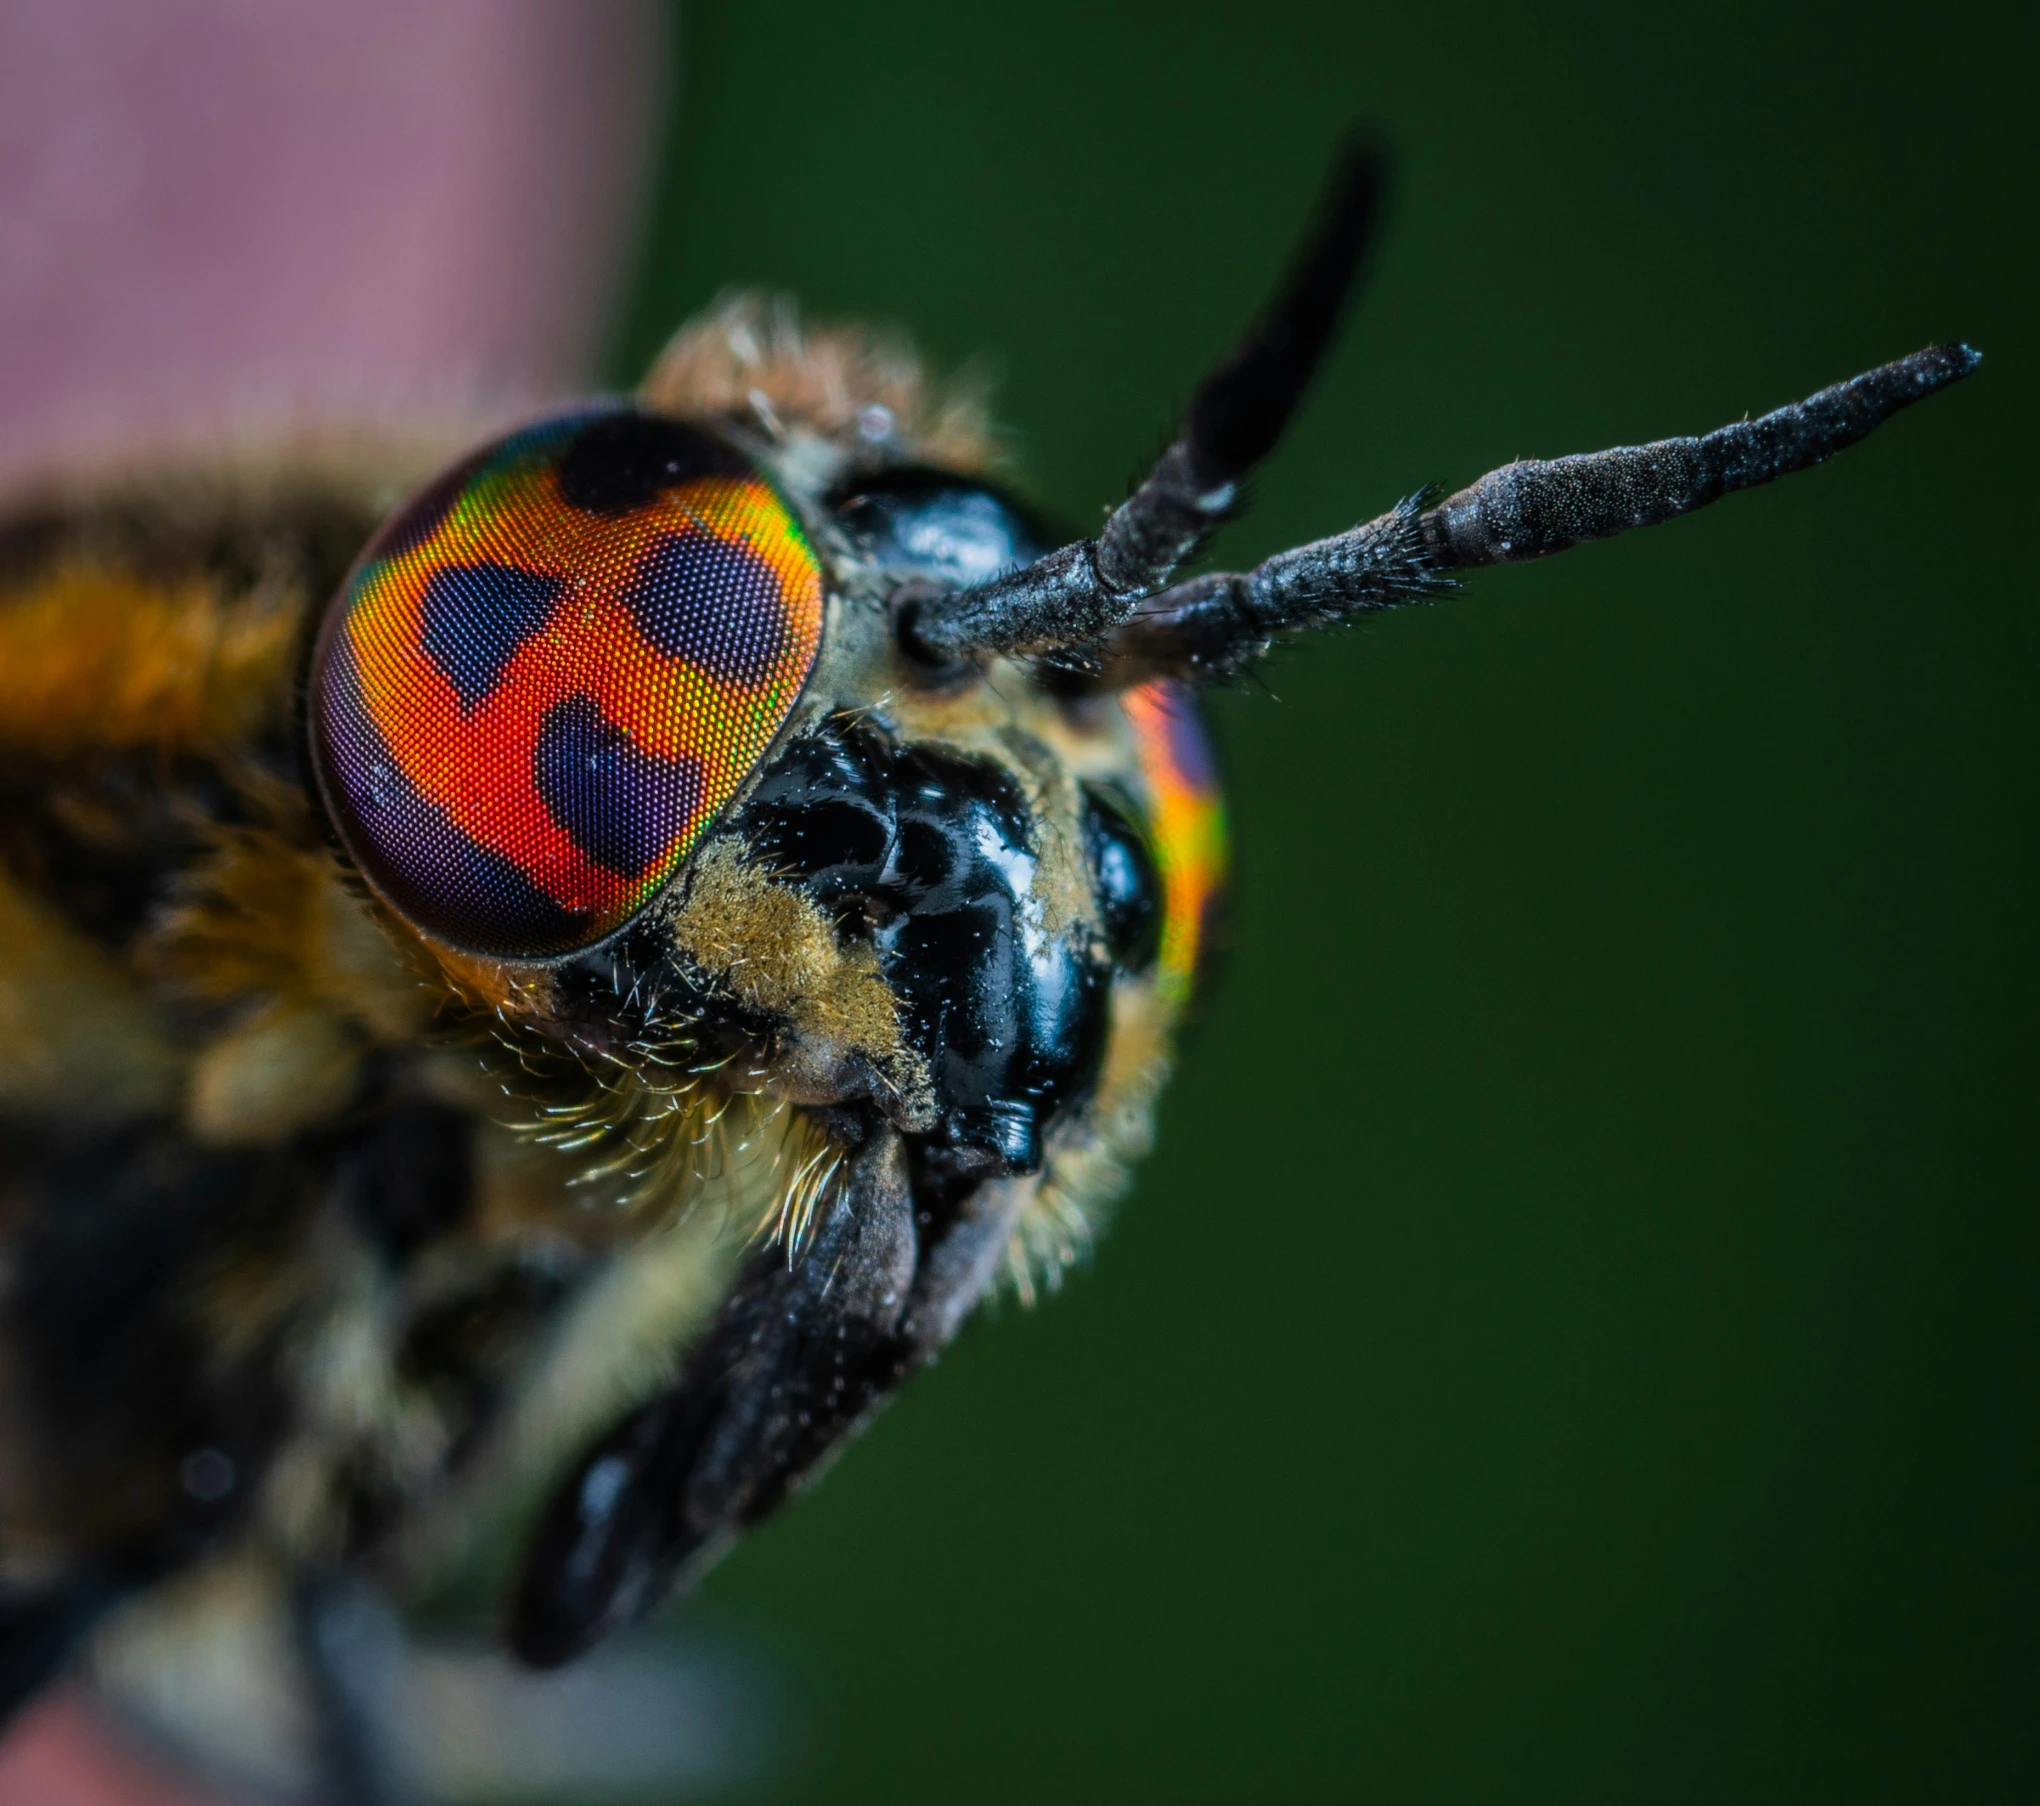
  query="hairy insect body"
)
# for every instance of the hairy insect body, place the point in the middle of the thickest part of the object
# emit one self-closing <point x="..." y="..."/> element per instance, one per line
<point x="319" y="1227"/>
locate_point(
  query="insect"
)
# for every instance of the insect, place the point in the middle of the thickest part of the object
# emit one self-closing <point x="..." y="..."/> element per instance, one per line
<point x="583" y="978"/>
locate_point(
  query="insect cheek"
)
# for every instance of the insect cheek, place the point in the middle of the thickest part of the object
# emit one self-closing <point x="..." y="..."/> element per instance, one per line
<point x="548" y="675"/>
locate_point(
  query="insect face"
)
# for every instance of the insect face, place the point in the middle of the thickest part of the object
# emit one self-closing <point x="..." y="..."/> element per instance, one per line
<point x="565" y="659"/>
<point x="936" y="912"/>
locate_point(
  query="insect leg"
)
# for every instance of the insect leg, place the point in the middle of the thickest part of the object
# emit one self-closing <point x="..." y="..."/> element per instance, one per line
<point x="1079" y="592"/>
<point x="1214" y="624"/>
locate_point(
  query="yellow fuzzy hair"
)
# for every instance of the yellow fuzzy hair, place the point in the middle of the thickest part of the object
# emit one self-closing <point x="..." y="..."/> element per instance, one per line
<point x="268" y="917"/>
<point x="97" y="659"/>
<point x="778" y="951"/>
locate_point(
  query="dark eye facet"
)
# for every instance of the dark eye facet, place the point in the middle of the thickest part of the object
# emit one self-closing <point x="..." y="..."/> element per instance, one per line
<point x="548" y="674"/>
<point x="1123" y="875"/>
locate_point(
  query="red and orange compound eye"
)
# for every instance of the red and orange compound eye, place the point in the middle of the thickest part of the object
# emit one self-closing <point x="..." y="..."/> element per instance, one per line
<point x="550" y="671"/>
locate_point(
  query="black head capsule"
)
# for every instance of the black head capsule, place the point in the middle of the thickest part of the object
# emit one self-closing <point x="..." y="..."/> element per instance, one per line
<point x="932" y="855"/>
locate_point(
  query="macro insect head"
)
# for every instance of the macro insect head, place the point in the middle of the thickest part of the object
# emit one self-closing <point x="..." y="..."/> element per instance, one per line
<point x="590" y="977"/>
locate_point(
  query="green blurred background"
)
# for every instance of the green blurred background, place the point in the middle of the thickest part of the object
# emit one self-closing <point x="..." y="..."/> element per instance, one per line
<point x="1575" y="1340"/>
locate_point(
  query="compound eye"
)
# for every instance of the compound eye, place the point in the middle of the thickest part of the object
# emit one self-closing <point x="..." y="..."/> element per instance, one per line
<point x="1123" y="875"/>
<point x="551" y="670"/>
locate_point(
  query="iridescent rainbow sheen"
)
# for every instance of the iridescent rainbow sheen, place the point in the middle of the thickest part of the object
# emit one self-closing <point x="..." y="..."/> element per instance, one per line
<point x="550" y="672"/>
<point x="1186" y="817"/>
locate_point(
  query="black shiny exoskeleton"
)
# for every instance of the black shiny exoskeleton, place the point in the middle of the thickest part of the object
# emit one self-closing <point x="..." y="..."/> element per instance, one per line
<point x="933" y="856"/>
<point x="915" y="521"/>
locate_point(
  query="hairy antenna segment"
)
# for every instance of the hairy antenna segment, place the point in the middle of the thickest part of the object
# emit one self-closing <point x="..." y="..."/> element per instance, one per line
<point x="1214" y="624"/>
<point x="1107" y="596"/>
<point x="1532" y="508"/>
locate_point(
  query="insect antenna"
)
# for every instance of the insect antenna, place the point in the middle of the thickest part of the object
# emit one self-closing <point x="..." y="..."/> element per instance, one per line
<point x="1101" y="608"/>
<point x="1214" y="624"/>
<point x="1077" y="594"/>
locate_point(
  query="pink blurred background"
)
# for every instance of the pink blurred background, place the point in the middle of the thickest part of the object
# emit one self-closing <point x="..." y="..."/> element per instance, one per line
<point x="229" y="212"/>
<point x="222" y="208"/>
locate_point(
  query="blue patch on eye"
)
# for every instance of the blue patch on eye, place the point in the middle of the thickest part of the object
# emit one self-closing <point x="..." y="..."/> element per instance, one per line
<point x="620" y="805"/>
<point x="475" y="616"/>
<point x="715" y="604"/>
